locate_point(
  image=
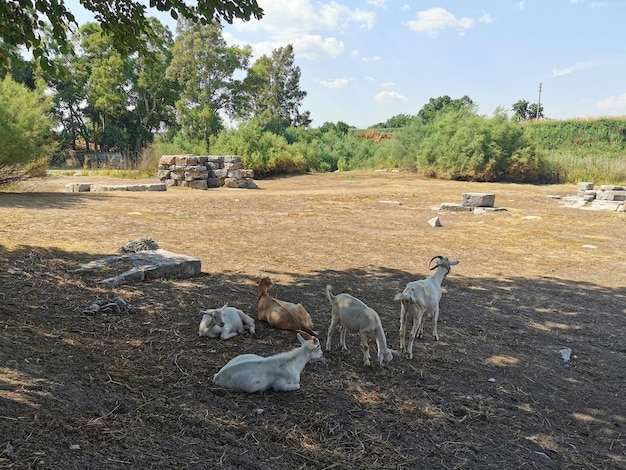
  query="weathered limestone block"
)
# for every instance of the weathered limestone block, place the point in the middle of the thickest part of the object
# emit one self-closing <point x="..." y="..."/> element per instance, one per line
<point x="213" y="182"/>
<point x="247" y="173"/>
<point x="231" y="166"/>
<point x="213" y="165"/>
<point x="195" y="172"/>
<point x="611" y="195"/>
<point x="479" y="199"/>
<point x="198" y="184"/>
<point x="167" y="160"/>
<point x="163" y="174"/>
<point x="232" y="159"/>
<point x="235" y="174"/>
<point x="446" y="206"/>
<point x="221" y="173"/>
<point x="149" y="264"/>
<point x="231" y="182"/>
<point x="186" y="160"/>
<point x="247" y="183"/>
<point x="585" y="185"/>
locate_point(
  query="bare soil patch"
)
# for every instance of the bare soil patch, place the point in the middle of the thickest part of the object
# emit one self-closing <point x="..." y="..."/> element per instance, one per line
<point x="98" y="391"/>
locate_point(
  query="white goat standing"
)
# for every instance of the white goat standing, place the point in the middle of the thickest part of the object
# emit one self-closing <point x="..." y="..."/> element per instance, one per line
<point x="420" y="299"/>
<point x="224" y="323"/>
<point x="349" y="313"/>
<point x="251" y="373"/>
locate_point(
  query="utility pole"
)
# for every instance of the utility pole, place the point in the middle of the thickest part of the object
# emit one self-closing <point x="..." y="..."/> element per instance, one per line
<point x="539" y="102"/>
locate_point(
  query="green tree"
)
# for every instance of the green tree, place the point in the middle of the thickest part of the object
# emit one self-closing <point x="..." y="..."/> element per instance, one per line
<point x="466" y="146"/>
<point x="441" y="105"/>
<point x="271" y="92"/>
<point x="204" y="66"/>
<point x="524" y="111"/>
<point x="108" y="80"/>
<point x="25" y="128"/>
<point x="152" y="97"/>
<point x="22" y="22"/>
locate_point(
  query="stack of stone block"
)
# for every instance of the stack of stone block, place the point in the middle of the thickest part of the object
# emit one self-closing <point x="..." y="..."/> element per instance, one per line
<point x="203" y="172"/>
<point x="607" y="194"/>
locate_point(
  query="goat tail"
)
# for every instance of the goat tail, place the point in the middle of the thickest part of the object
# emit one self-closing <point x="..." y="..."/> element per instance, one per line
<point x="401" y="296"/>
<point x="329" y="292"/>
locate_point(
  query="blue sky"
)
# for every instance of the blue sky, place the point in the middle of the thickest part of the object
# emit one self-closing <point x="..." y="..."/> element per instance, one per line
<point x="363" y="62"/>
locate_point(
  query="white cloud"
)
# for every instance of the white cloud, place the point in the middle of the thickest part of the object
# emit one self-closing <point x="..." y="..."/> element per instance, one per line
<point x="613" y="102"/>
<point x="485" y="18"/>
<point x="433" y="20"/>
<point x="577" y="67"/>
<point x="522" y="4"/>
<point x="377" y="3"/>
<point x="387" y="84"/>
<point x="336" y="83"/>
<point x="304" y="24"/>
<point x="389" y="96"/>
<point x="374" y="58"/>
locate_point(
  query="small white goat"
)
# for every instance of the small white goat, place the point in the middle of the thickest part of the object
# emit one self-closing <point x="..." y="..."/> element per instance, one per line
<point x="251" y="373"/>
<point x="281" y="314"/>
<point x="350" y="314"/>
<point x="224" y="323"/>
<point x="420" y="299"/>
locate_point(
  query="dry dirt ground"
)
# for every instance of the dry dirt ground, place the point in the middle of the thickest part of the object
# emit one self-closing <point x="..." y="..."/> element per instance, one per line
<point x="110" y="391"/>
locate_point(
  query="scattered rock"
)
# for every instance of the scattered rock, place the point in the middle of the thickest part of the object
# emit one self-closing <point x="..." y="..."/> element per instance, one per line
<point x="116" y="305"/>
<point x="435" y="222"/>
<point x="141" y="244"/>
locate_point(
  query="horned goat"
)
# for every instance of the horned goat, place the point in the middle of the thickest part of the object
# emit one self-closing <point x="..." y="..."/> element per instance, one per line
<point x="224" y="323"/>
<point x="280" y="314"/>
<point x="351" y="314"/>
<point x="421" y="299"/>
<point x="252" y="373"/>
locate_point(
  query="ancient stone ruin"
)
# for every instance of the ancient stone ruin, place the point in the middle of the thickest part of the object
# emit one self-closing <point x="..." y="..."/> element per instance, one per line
<point x="608" y="197"/>
<point x="472" y="201"/>
<point x="203" y="172"/>
<point x="148" y="262"/>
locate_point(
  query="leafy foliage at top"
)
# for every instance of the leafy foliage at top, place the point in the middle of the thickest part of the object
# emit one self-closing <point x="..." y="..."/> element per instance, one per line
<point x="23" y="23"/>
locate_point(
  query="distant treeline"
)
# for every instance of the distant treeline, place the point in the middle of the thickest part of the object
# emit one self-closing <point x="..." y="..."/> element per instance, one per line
<point x="454" y="145"/>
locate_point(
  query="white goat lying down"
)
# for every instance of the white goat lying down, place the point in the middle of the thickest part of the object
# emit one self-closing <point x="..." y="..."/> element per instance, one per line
<point x="281" y="314"/>
<point x="350" y="314"/>
<point x="420" y="299"/>
<point x="251" y="373"/>
<point x="224" y="323"/>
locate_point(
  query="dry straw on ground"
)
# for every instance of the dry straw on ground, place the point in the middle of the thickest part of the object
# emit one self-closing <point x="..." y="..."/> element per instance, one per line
<point x="135" y="390"/>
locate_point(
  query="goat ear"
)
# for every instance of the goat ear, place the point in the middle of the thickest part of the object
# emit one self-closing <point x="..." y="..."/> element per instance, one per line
<point x="305" y="335"/>
<point x="452" y="263"/>
<point x="300" y="338"/>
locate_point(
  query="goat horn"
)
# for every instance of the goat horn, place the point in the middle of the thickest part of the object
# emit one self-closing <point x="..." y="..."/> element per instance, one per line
<point x="434" y="258"/>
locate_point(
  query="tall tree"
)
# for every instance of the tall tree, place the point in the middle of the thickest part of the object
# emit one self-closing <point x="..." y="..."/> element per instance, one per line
<point x="152" y="96"/>
<point x="204" y="66"/>
<point x="441" y="105"/>
<point x="25" y="127"/>
<point x="271" y="92"/>
<point x="523" y="110"/>
<point x="124" y="20"/>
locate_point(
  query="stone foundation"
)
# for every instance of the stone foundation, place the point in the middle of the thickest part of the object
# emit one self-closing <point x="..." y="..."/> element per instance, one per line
<point x="203" y="172"/>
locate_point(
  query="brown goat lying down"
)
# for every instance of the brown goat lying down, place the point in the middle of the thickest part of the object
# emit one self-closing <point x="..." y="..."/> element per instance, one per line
<point x="280" y="314"/>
